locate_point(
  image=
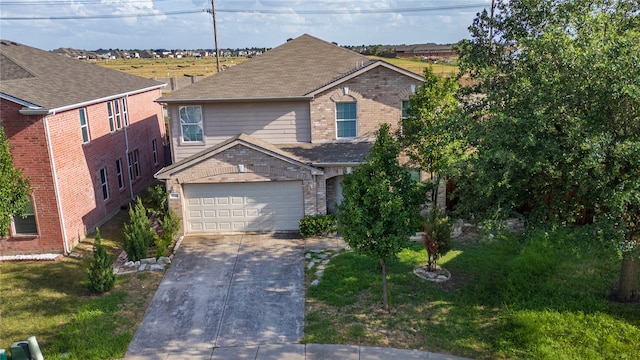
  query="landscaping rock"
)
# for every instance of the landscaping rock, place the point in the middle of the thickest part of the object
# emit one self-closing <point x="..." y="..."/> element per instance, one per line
<point x="319" y="273"/>
<point x="157" y="267"/>
<point x="148" y="260"/>
<point x="310" y="265"/>
<point x="164" y="260"/>
<point x="315" y="282"/>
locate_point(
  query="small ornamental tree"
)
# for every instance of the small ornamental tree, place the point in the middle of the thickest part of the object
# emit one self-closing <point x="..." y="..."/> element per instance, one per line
<point x="381" y="205"/>
<point x="101" y="276"/>
<point x="138" y="234"/>
<point x="437" y="237"/>
<point x="14" y="188"/>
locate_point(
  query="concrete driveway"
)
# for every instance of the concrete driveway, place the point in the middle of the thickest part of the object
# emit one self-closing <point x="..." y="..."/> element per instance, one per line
<point x="226" y="291"/>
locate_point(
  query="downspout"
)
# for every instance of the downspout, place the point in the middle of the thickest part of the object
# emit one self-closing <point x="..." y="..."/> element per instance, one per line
<point x="129" y="165"/>
<point x="67" y="251"/>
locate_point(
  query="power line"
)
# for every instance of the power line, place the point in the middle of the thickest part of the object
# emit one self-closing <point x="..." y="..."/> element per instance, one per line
<point x="68" y="2"/>
<point x="258" y="11"/>
<point x="352" y="11"/>
<point x="103" y="16"/>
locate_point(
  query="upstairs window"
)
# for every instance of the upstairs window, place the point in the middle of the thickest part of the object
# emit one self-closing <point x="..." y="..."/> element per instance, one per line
<point x="112" y="124"/>
<point x="84" y="125"/>
<point x="191" y="124"/>
<point x="346" y="119"/>
<point x="116" y="105"/>
<point x="125" y="115"/>
<point x="26" y="225"/>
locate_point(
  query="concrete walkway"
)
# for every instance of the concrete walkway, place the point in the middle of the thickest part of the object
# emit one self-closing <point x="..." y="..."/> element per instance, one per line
<point x="240" y="297"/>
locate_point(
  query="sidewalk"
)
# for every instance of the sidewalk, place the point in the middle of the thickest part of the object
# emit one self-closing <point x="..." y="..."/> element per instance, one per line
<point x="299" y="352"/>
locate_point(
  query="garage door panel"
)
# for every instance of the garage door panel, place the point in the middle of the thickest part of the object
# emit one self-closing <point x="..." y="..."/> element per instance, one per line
<point x="264" y="206"/>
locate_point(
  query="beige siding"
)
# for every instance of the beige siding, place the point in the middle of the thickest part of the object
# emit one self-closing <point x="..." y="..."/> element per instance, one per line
<point x="275" y="122"/>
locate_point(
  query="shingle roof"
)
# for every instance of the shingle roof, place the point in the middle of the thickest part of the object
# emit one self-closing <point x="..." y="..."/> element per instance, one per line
<point x="329" y="153"/>
<point x="53" y="81"/>
<point x="264" y="146"/>
<point x="293" y="69"/>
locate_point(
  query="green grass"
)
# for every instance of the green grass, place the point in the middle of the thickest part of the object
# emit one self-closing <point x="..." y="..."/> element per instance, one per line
<point x="50" y="300"/>
<point x="543" y="295"/>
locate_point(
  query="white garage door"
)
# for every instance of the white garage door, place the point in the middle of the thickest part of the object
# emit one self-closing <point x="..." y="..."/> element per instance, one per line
<point x="262" y="206"/>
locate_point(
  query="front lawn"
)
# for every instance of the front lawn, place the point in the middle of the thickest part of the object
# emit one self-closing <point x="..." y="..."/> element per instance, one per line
<point x="538" y="296"/>
<point x="50" y="300"/>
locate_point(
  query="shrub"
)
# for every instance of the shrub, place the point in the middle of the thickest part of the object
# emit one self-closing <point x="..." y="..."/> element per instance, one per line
<point x="100" y="271"/>
<point x="315" y="225"/>
<point x="170" y="224"/>
<point x="437" y="238"/>
<point x="156" y="200"/>
<point x="138" y="234"/>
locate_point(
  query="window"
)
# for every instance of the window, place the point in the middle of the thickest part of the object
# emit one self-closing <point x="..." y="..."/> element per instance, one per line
<point x="117" y="110"/>
<point x="104" y="184"/>
<point x="130" y="165"/>
<point x="84" y="126"/>
<point x="154" y="147"/>
<point x="112" y="125"/>
<point x="119" y="173"/>
<point x="405" y="106"/>
<point x="134" y="165"/>
<point x="26" y="225"/>
<point x="125" y="115"/>
<point x="191" y="124"/>
<point x="346" y="119"/>
<point x="416" y="175"/>
<point x="118" y="115"/>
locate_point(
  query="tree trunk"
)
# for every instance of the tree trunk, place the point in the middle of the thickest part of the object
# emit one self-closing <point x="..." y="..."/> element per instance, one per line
<point x="385" y="297"/>
<point x="628" y="284"/>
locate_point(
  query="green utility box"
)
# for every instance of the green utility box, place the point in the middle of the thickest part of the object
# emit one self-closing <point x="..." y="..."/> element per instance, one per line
<point x="20" y="351"/>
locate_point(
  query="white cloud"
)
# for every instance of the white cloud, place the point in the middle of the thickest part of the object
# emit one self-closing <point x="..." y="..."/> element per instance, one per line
<point x="236" y="29"/>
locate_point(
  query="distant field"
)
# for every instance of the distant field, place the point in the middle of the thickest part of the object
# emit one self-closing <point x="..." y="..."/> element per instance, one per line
<point x="167" y="68"/>
<point x="417" y="65"/>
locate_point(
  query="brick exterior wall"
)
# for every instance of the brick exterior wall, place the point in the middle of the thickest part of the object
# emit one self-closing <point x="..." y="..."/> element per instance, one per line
<point x="258" y="167"/>
<point x="77" y="167"/>
<point x="27" y="140"/>
<point x="378" y="93"/>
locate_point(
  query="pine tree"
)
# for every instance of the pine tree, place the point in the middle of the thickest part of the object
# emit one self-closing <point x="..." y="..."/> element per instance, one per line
<point x="101" y="276"/>
<point x="138" y="234"/>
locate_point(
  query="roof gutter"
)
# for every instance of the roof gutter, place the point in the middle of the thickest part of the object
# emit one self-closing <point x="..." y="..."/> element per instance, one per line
<point x="245" y="99"/>
<point x="337" y="164"/>
<point x="43" y="111"/>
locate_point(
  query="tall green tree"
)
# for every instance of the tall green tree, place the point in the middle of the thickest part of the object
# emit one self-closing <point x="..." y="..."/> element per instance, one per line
<point x="555" y="113"/>
<point x="14" y="187"/>
<point x="431" y="129"/>
<point x="381" y="205"/>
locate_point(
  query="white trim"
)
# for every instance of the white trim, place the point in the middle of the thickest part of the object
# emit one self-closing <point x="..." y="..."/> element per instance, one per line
<point x="194" y="161"/>
<point x="189" y="101"/>
<point x="42" y="111"/>
<point x="364" y="70"/>
<point x="19" y="101"/>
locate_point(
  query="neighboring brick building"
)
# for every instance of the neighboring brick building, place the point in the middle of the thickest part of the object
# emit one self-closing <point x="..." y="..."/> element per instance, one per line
<point x="268" y="141"/>
<point x="88" y="138"/>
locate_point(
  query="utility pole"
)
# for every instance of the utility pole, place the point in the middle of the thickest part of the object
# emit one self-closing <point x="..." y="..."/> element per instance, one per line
<point x="215" y="34"/>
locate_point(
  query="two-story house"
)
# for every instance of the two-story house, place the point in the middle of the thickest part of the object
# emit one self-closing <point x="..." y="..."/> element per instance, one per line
<point x="261" y="144"/>
<point x="88" y="138"/>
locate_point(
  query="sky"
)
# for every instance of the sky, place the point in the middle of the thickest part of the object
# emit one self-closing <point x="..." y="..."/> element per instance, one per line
<point x="186" y="24"/>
